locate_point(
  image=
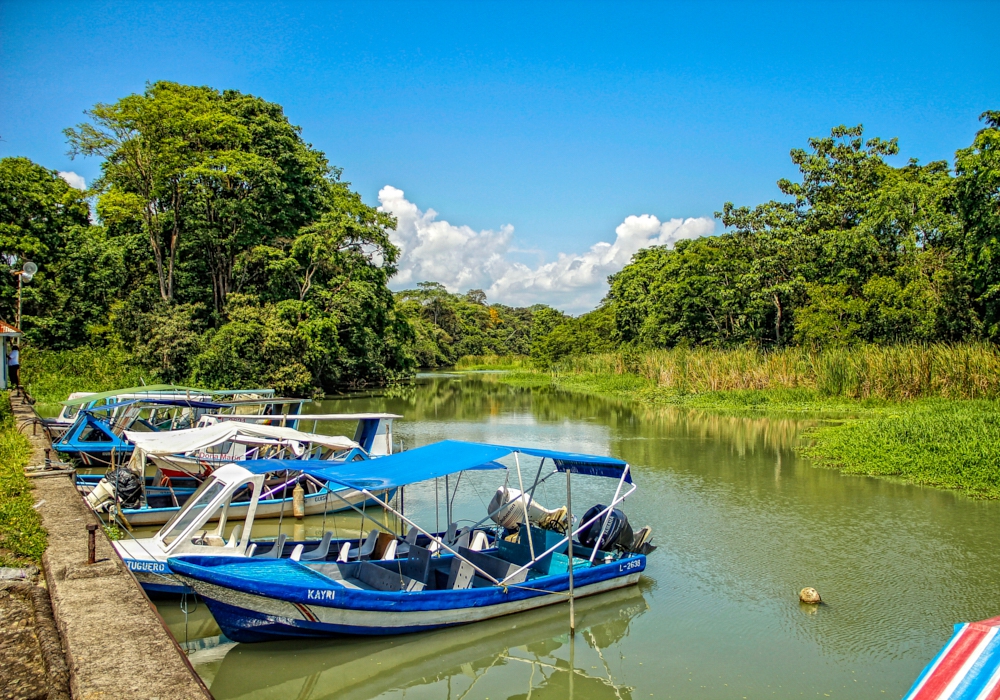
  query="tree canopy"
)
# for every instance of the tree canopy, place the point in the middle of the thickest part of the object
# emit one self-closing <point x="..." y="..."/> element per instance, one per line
<point x="858" y="251"/>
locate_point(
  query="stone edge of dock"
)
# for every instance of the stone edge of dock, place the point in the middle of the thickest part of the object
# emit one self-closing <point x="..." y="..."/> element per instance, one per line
<point x="115" y="642"/>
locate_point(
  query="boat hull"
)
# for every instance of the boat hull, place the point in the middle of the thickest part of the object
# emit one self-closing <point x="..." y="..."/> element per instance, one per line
<point x="253" y="611"/>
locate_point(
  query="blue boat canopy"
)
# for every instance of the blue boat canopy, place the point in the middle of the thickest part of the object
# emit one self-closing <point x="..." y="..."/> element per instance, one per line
<point x="432" y="461"/>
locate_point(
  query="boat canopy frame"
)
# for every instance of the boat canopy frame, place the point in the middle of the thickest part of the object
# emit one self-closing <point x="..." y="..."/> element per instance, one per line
<point x="467" y="456"/>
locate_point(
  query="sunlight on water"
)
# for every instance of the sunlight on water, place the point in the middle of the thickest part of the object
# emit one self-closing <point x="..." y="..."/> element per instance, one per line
<point x="742" y="524"/>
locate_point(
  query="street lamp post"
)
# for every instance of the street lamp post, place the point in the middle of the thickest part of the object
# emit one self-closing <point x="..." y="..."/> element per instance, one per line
<point x="23" y="275"/>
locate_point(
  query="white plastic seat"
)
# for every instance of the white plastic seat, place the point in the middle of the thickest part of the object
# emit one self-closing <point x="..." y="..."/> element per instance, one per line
<point x="297" y="552"/>
<point x="390" y="551"/>
<point x="234" y="537"/>
<point x="322" y="550"/>
<point x="479" y="541"/>
<point x="345" y="552"/>
<point x="275" y="551"/>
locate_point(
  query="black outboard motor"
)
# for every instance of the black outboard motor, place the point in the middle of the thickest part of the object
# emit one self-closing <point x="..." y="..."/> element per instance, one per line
<point x="617" y="531"/>
<point x="617" y="534"/>
<point x="127" y="485"/>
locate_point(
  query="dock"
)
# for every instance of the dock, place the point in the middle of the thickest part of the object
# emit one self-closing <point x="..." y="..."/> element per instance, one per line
<point x="115" y="642"/>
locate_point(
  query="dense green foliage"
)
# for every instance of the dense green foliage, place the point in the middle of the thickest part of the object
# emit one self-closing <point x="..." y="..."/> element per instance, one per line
<point x="228" y="251"/>
<point x="450" y="326"/>
<point x="861" y="251"/>
<point x="22" y="539"/>
<point x="52" y="375"/>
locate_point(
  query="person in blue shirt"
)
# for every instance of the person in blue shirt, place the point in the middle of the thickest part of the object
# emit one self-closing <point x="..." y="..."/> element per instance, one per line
<point x="14" y="367"/>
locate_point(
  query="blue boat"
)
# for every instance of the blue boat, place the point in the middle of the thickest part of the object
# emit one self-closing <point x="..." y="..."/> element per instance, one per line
<point x="97" y="435"/>
<point x="530" y="566"/>
<point x="80" y="400"/>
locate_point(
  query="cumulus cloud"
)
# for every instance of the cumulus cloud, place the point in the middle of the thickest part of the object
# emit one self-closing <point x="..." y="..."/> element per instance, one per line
<point x="461" y="258"/>
<point x="74" y="180"/>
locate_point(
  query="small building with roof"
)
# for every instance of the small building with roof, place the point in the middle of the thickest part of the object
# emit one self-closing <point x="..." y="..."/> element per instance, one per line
<point x="7" y="335"/>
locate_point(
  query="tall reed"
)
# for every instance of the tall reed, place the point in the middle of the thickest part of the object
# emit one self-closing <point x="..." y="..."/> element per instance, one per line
<point x="959" y="371"/>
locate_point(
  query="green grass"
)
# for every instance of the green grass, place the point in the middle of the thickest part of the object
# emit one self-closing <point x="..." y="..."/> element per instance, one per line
<point x="22" y="539"/>
<point x="934" y="442"/>
<point x="951" y="443"/>
<point x="51" y="375"/>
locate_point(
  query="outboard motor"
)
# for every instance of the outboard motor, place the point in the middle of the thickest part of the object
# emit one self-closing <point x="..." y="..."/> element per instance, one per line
<point x="507" y="508"/>
<point x="122" y="481"/>
<point x="616" y="534"/>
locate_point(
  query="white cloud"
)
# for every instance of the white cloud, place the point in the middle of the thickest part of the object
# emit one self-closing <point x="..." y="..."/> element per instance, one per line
<point x="460" y="258"/>
<point x="74" y="180"/>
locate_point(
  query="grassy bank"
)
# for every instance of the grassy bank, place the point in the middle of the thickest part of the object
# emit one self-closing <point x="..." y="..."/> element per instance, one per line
<point x="51" y="375"/>
<point x="22" y="539"/>
<point x="928" y="415"/>
<point x="933" y="442"/>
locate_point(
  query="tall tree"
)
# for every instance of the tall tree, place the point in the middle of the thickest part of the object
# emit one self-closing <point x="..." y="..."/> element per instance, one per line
<point x="149" y="144"/>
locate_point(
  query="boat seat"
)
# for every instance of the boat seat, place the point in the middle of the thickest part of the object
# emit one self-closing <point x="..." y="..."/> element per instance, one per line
<point x="366" y="549"/>
<point x="495" y="566"/>
<point x="382" y="544"/>
<point x="390" y="552"/>
<point x="251" y="549"/>
<point x="297" y="552"/>
<point x="479" y="541"/>
<point x="275" y="551"/>
<point x="449" y="535"/>
<point x="322" y="550"/>
<point x="234" y="536"/>
<point x="345" y="552"/>
<point x="417" y="564"/>
<point x="460" y="576"/>
<point x="334" y="572"/>
<point x="411" y="539"/>
<point x="462" y="540"/>
<point x="383" y="578"/>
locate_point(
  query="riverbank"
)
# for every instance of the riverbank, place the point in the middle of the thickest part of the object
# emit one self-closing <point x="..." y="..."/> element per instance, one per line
<point x="22" y="539"/>
<point x="950" y="443"/>
<point x="94" y="603"/>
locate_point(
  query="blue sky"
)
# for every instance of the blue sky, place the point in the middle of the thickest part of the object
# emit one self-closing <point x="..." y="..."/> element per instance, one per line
<point x="559" y="120"/>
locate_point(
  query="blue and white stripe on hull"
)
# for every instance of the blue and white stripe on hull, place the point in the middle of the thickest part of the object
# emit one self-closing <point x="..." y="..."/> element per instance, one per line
<point x="266" y="611"/>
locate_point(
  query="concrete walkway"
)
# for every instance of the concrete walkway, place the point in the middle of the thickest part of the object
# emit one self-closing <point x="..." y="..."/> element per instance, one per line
<point x="116" y="644"/>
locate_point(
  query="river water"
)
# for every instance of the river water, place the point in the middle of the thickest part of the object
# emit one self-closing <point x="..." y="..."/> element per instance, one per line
<point x="742" y="523"/>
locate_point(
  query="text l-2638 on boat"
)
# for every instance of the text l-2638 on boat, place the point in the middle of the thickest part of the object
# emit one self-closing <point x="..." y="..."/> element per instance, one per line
<point x="539" y="557"/>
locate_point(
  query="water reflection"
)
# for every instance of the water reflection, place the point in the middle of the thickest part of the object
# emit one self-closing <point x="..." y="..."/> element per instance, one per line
<point x="526" y="655"/>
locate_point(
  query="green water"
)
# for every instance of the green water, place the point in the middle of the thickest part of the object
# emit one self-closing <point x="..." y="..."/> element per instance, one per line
<point x="742" y="524"/>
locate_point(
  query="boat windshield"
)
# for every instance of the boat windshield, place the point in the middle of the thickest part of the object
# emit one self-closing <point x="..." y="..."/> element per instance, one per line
<point x="201" y="498"/>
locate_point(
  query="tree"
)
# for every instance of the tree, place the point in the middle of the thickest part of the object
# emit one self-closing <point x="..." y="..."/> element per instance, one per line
<point x="149" y="143"/>
<point x="977" y="190"/>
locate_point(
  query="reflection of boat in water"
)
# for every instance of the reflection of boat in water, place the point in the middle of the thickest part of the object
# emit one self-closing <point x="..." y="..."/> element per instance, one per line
<point x="361" y="668"/>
